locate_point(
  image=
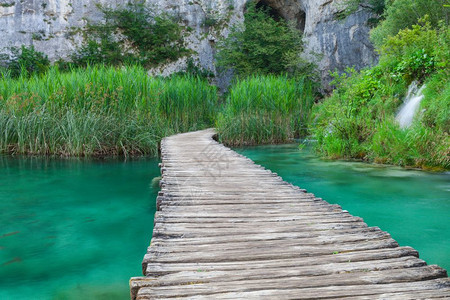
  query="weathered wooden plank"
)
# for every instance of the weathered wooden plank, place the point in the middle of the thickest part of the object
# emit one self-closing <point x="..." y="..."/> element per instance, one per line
<point x="203" y="287"/>
<point x="439" y="287"/>
<point x="231" y="229"/>
<point x="246" y="224"/>
<point x="290" y="207"/>
<point x="192" y="201"/>
<point x="245" y="214"/>
<point x="271" y="245"/>
<point x="242" y="218"/>
<point x="319" y="272"/>
<point x="155" y="269"/>
<point x="239" y="236"/>
<point x="294" y="250"/>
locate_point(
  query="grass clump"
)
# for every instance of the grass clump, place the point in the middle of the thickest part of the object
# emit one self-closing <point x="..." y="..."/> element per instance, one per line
<point x="100" y="111"/>
<point x="266" y="109"/>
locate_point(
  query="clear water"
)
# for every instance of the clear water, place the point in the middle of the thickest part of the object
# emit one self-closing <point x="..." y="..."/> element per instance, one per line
<point x="73" y="229"/>
<point x="413" y="206"/>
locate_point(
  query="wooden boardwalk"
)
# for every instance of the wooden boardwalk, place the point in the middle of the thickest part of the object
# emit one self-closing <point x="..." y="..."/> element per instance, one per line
<point x="227" y="228"/>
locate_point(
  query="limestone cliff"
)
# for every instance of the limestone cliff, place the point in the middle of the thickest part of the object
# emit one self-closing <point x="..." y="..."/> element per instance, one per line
<point x="47" y="25"/>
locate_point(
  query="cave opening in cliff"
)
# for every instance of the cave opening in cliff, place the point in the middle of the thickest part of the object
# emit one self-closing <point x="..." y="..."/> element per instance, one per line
<point x="289" y="10"/>
<point x="270" y="10"/>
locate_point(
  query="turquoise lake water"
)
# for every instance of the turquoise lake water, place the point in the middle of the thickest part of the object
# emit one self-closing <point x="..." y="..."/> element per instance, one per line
<point x="413" y="206"/>
<point x="78" y="229"/>
<point x="73" y="229"/>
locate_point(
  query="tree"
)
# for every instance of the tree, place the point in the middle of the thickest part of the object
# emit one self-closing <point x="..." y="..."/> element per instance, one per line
<point x="261" y="45"/>
<point x="401" y="14"/>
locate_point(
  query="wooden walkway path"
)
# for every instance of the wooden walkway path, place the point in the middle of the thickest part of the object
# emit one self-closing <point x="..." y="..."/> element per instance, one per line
<point x="227" y="228"/>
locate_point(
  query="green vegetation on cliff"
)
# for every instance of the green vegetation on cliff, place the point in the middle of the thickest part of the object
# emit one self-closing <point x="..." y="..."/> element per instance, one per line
<point x="127" y="35"/>
<point x="358" y="119"/>
<point x="25" y="61"/>
<point x="133" y="34"/>
<point x="263" y="45"/>
<point x="401" y="14"/>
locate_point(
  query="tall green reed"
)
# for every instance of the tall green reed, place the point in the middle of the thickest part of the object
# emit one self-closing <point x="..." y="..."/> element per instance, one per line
<point x="99" y="111"/>
<point x="266" y="109"/>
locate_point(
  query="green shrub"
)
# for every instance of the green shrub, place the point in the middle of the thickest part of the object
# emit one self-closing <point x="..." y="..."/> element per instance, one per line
<point x="100" y="111"/>
<point x="416" y="53"/>
<point x="401" y="14"/>
<point x="133" y="35"/>
<point x="266" y="109"/>
<point x="193" y="68"/>
<point x="25" y="61"/>
<point x="263" y="46"/>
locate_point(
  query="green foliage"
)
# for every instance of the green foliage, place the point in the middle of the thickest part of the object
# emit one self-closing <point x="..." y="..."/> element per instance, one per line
<point x="401" y="14"/>
<point x="411" y="54"/>
<point x="24" y="61"/>
<point x="377" y="7"/>
<point x="357" y="120"/>
<point x="193" y="69"/>
<point x="133" y="34"/>
<point x="266" y="109"/>
<point x="262" y="46"/>
<point x="100" y="111"/>
<point x="12" y="3"/>
<point x="210" y="21"/>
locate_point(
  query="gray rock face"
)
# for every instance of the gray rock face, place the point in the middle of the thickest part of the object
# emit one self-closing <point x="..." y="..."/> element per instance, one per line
<point x="47" y="25"/>
<point x="340" y="43"/>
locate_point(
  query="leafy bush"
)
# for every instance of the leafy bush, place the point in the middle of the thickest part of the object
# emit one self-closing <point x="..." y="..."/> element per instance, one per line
<point x="411" y="52"/>
<point x="133" y="34"/>
<point x="25" y="61"/>
<point x="193" y="68"/>
<point x="266" y="109"/>
<point x="263" y="46"/>
<point x="401" y="14"/>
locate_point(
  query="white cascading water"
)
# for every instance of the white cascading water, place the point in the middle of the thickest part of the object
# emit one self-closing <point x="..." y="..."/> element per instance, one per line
<point x="410" y="105"/>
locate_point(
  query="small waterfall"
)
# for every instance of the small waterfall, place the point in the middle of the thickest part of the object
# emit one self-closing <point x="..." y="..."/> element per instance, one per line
<point x="410" y="105"/>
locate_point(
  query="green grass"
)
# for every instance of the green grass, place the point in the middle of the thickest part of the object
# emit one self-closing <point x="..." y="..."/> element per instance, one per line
<point x="100" y="111"/>
<point x="265" y="109"/>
